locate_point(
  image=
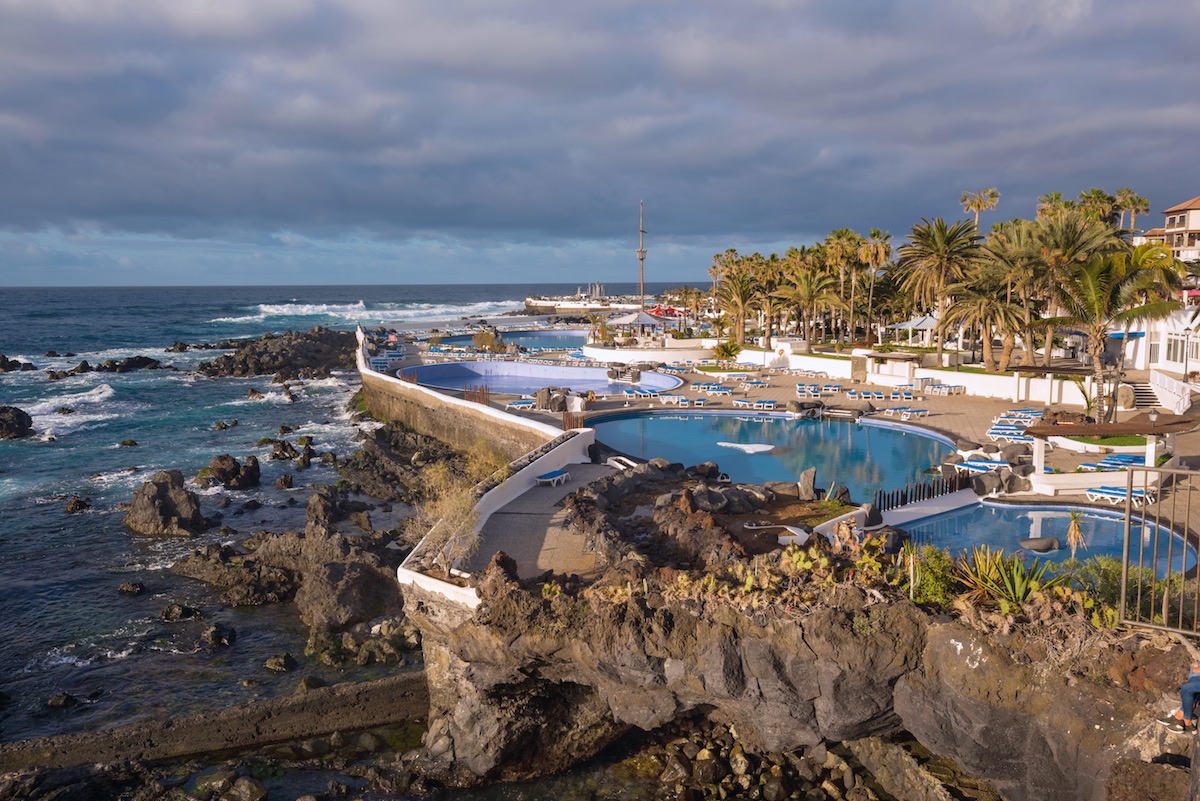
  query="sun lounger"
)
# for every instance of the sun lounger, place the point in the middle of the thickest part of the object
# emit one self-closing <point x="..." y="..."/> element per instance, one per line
<point x="519" y="404"/>
<point x="912" y="414"/>
<point x="698" y="403"/>
<point x="720" y="391"/>
<point x="852" y="394"/>
<point x="553" y="478"/>
<point x="982" y="465"/>
<point x="907" y="395"/>
<point x="765" y="405"/>
<point x="895" y="410"/>
<point x="742" y="403"/>
<point x="676" y="400"/>
<point x="1115" y="495"/>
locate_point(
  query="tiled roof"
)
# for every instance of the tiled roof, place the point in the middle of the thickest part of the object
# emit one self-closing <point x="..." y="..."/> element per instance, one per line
<point x="1155" y="232"/>
<point x="1190" y="205"/>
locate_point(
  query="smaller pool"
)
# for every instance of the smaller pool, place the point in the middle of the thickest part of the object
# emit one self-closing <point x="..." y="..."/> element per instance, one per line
<point x="522" y="378"/>
<point x="1001" y="525"/>
<point x="569" y="339"/>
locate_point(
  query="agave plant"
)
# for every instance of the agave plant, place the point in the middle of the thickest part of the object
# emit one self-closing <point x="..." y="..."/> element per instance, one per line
<point x="992" y="577"/>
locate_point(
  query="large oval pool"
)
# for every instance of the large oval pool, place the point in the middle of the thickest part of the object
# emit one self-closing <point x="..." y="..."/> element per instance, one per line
<point x="522" y="378"/>
<point x="756" y="448"/>
<point x="1001" y="525"/>
<point x="548" y="339"/>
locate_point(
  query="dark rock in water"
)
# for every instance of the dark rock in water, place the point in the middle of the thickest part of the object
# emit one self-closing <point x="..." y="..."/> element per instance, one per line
<point x="129" y="364"/>
<point x="283" y="450"/>
<point x="246" y="788"/>
<point x="78" y="504"/>
<point x="64" y="410"/>
<point x="292" y="355"/>
<point x="163" y="507"/>
<point x="14" y="423"/>
<point x="281" y="663"/>
<point x="128" y="443"/>
<point x="229" y="473"/>
<point x="255" y="394"/>
<point x="131" y="588"/>
<point x="806" y="487"/>
<point x="62" y="701"/>
<point x="178" y="347"/>
<point x="8" y="365"/>
<point x="307" y="683"/>
<point x="173" y="613"/>
<point x="1039" y="544"/>
<point x="284" y="482"/>
<point x="218" y="635"/>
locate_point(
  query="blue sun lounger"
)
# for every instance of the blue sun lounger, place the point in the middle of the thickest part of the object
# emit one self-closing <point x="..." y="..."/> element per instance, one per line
<point x="553" y="478"/>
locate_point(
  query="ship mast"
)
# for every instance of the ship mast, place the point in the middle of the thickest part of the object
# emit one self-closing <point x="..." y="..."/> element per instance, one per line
<point x="641" y="254"/>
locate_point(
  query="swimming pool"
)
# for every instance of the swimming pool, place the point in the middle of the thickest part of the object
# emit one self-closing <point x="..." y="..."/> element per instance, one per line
<point x="522" y="378"/>
<point x="756" y="448"/>
<point x="547" y="339"/>
<point x="1001" y="525"/>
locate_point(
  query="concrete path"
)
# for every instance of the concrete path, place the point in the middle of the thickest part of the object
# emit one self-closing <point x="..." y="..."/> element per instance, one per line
<point x="531" y="531"/>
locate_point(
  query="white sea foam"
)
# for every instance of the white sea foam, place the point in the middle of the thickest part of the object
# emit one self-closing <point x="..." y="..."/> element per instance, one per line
<point x="377" y="313"/>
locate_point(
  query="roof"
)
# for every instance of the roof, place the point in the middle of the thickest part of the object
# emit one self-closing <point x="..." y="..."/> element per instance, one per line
<point x="1188" y="205"/>
<point x="1155" y="232"/>
<point x="1138" y="424"/>
<point x="895" y="357"/>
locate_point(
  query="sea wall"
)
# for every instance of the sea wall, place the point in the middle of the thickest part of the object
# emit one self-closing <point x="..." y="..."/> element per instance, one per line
<point x="456" y="422"/>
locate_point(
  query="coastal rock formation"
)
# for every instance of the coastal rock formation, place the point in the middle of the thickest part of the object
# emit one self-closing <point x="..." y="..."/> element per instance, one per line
<point x="8" y="365"/>
<point x="388" y="463"/>
<point x="163" y="507"/>
<point x="683" y="623"/>
<point x="226" y="471"/>
<point x="14" y="423"/>
<point x="291" y="355"/>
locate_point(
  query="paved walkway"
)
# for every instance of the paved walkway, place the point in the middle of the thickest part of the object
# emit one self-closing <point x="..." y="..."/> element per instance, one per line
<point x="531" y="531"/>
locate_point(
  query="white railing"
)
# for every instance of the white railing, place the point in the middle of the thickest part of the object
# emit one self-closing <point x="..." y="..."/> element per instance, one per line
<point x="1175" y="394"/>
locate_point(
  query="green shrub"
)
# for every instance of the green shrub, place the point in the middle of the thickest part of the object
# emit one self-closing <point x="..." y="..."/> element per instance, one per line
<point x="991" y="576"/>
<point x="931" y="579"/>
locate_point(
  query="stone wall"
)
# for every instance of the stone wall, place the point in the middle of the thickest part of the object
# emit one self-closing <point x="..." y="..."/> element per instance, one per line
<point x="455" y="423"/>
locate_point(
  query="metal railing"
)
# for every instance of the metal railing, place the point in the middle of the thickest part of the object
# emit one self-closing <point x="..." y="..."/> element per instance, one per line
<point x="1160" y="583"/>
<point x="886" y="500"/>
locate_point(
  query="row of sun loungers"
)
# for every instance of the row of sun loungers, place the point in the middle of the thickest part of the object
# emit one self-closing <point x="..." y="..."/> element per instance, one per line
<point x="1114" y="461"/>
<point x="1116" y="495"/>
<point x="762" y="405"/>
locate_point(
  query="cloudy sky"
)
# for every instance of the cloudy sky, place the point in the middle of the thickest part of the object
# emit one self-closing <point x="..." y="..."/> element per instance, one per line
<point x="396" y="141"/>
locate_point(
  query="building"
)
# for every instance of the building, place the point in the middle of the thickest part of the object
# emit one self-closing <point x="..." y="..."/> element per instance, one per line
<point x="1180" y="231"/>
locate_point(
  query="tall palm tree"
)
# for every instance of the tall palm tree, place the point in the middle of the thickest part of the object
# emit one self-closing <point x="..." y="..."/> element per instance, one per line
<point x="736" y="294"/>
<point x="979" y="305"/>
<point x="1052" y="203"/>
<point x="1098" y="204"/>
<point x="768" y="275"/>
<point x="936" y="256"/>
<point x="1124" y="197"/>
<point x="807" y="290"/>
<point x="983" y="200"/>
<point x="1013" y="251"/>
<point x="841" y="252"/>
<point x="875" y="252"/>
<point x="1137" y="205"/>
<point x="1101" y="294"/>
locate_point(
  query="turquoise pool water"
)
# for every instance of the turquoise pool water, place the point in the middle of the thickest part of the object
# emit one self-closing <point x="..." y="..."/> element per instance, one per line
<point x="569" y="339"/>
<point x="766" y="447"/>
<point x="522" y="378"/>
<point x="1001" y="525"/>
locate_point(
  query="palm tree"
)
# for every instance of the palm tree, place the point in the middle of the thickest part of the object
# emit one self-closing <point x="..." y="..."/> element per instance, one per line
<point x="983" y="200"/>
<point x="807" y="289"/>
<point x="1137" y="205"/>
<point x="841" y="252"/>
<point x="1098" y="204"/>
<point x="768" y="275"/>
<point x="977" y="304"/>
<point x="1013" y="251"/>
<point x="1103" y="293"/>
<point x="1124" y="196"/>
<point x="875" y="252"/>
<point x="1064" y="242"/>
<point x="935" y="256"/>
<point x="1051" y="204"/>
<point x="735" y="296"/>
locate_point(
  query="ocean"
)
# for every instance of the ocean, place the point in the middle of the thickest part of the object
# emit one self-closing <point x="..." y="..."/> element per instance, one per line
<point x="64" y="627"/>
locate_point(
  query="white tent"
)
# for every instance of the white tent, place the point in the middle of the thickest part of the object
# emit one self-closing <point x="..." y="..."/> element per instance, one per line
<point x="926" y="322"/>
<point x="637" y="319"/>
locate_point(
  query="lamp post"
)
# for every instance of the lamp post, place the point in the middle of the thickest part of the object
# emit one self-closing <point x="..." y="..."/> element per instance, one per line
<point x="1187" y="346"/>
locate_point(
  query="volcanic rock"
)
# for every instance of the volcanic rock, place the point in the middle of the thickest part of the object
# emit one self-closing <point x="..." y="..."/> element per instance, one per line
<point x="292" y="355"/>
<point x="229" y="473"/>
<point x="163" y="507"/>
<point x="14" y="423"/>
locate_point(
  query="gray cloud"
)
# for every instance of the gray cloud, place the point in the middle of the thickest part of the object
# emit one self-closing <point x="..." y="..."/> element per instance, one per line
<point x="244" y="129"/>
